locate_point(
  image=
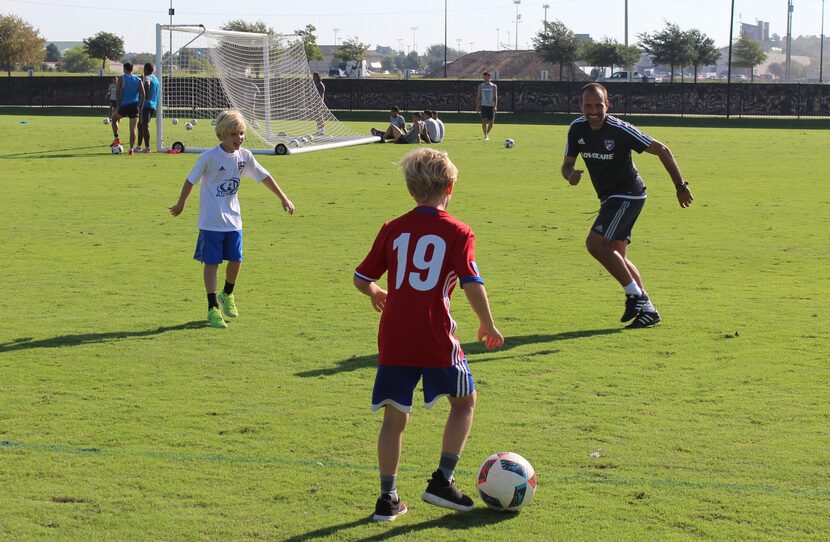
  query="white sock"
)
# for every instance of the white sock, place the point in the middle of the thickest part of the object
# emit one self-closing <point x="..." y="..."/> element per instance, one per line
<point x="633" y="289"/>
<point x="649" y="307"/>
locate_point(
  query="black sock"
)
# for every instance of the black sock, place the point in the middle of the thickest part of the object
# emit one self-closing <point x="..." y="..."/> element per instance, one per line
<point x="228" y="288"/>
<point x="212" y="301"/>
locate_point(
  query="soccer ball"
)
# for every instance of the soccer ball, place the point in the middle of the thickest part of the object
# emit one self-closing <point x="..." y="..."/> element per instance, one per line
<point x="508" y="143"/>
<point x="175" y="121"/>
<point x="106" y="120"/>
<point x="188" y="126"/>
<point x="117" y="149"/>
<point x="193" y="121"/>
<point x="506" y="481"/>
<point x="293" y="143"/>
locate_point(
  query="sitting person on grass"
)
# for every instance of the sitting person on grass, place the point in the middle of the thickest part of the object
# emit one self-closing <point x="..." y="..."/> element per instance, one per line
<point x="411" y="136"/>
<point x="396" y="120"/>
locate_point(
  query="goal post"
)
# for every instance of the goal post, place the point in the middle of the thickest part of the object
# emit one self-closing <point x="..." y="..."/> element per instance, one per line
<point x="265" y="77"/>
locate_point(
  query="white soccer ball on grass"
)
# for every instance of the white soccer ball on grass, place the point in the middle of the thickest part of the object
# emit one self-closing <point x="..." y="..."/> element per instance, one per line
<point x="175" y="121"/>
<point x="117" y="149"/>
<point x="506" y="481"/>
<point x="106" y="120"/>
<point x="188" y="126"/>
<point x="508" y="143"/>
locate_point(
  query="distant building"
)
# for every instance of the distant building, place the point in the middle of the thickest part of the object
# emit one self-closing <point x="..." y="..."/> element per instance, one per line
<point x="758" y="32"/>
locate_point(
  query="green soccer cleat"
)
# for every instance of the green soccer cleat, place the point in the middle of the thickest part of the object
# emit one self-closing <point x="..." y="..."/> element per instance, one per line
<point x="215" y="318"/>
<point x="228" y="305"/>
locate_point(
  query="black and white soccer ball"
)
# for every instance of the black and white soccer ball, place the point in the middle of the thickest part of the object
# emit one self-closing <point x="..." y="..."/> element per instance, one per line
<point x="175" y="121"/>
<point x="106" y="120"/>
<point x="506" y="481"/>
<point x="117" y="149"/>
<point x="508" y="143"/>
<point x="188" y="126"/>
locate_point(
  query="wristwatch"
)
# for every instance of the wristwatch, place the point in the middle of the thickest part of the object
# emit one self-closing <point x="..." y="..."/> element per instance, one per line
<point x="682" y="187"/>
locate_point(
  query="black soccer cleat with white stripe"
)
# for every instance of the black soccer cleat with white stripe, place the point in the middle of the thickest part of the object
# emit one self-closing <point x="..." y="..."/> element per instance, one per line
<point x="633" y="305"/>
<point x="645" y="319"/>
<point x="444" y="493"/>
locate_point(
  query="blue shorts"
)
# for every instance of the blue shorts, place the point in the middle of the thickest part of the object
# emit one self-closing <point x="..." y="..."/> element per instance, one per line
<point x="395" y="384"/>
<point x="213" y="247"/>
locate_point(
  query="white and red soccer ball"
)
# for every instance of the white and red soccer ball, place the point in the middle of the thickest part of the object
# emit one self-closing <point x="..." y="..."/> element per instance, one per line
<point x="506" y="481"/>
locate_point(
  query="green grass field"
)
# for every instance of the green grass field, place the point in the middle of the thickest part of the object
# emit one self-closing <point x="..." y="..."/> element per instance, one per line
<point x="122" y="417"/>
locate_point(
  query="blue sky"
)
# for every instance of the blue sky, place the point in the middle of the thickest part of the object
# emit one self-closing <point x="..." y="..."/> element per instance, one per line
<point x="472" y="24"/>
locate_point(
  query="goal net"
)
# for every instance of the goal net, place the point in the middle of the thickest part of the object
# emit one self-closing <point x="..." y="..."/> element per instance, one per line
<point x="266" y="77"/>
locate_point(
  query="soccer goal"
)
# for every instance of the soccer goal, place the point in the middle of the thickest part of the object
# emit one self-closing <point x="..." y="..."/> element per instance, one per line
<point x="266" y="77"/>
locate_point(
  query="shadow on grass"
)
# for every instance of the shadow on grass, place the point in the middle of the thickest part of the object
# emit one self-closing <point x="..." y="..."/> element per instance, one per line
<point x="355" y="363"/>
<point x="25" y="343"/>
<point x="452" y="521"/>
<point x="50" y="153"/>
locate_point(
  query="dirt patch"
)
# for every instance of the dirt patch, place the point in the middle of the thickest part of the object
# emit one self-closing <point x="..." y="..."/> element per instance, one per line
<point x="525" y="65"/>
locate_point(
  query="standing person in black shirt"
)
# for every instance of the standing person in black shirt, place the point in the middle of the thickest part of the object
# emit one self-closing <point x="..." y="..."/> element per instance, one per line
<point x="605" y="144"/>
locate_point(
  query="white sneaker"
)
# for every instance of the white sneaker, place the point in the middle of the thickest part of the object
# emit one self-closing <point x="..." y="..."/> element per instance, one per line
<point x="487" y="137"/>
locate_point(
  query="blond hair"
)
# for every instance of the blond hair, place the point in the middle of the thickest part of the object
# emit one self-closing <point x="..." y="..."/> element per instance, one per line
<point x="229" y="122"/>
<point x="428" y="172"/>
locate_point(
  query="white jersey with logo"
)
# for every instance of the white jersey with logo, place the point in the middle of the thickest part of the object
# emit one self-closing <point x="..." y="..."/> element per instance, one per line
<point x="220" y="173"/>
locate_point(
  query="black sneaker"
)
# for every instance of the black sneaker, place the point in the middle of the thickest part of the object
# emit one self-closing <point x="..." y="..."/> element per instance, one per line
<point x="376" y="132"/>
<point x="633" y="305"/>
<point x="387" y="509"/>
<point x="446" y="494"/>
<point x="645" y="319"/>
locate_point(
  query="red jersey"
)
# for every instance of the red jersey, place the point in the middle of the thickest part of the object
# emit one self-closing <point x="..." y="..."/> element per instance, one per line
<point x="426" y="252"/>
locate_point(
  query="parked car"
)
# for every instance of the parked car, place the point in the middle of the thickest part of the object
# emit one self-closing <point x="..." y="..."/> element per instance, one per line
<point x="622" y="77"/>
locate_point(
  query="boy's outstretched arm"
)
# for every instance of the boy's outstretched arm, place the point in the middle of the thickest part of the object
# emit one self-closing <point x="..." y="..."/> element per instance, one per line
<point x="374" y="291"/>
<point x="272" y="185"/>
<point x="477" y="296"/>
<point x="177" y="209"/>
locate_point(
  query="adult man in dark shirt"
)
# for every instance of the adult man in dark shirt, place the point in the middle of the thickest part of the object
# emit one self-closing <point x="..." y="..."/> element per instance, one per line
<point x="605" y="144"/>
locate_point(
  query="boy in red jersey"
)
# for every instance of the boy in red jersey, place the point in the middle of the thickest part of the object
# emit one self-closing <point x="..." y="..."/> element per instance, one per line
<point x="426" y="252"/>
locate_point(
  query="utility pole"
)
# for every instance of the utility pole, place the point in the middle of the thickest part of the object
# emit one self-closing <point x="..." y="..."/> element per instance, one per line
<point x="498" y="41"/>
<point x="414" y="49"/>
<point x="336" y="30"/>
<point x="545" y="7"/>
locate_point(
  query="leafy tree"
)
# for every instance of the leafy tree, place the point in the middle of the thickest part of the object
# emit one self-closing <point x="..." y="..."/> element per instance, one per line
<point x="105" y="46"/>
<point x="52" y="53"/>
<point x="748" y="53"/>
<point x="312" y="50"/>
<point x="558" y="44"/>
<point x="351" y="49"/>
<point x="704" y="51"/>
<point x="608" y="53"/>
<point x="384" y="50"/>
<point x="434" y="56"/>
<point x="76" y="60"/>
<point x="20" y="43"/>
<point x="669" y="46"/>
<point x="239" y="25"/>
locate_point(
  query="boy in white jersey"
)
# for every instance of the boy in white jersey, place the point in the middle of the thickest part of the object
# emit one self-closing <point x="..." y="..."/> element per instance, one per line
<point x="220" y="223"/>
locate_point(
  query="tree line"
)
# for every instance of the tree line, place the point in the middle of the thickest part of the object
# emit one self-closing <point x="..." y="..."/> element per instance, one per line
<point x="671" y="46"/>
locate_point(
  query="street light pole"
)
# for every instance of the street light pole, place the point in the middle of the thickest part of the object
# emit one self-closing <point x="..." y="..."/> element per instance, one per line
<point x="498" y="41"/>
<point x="789" y="38"/>
<point x="336" y="30"/>
<point x="729" y="60"/>
<point x="626" y="23"/>
<point x="414" y="49"/>
<point x="445" y="39"/>
<point x="545" y="7"/>
<point x="517" y="2"/>
<point x="821" y="54"/>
